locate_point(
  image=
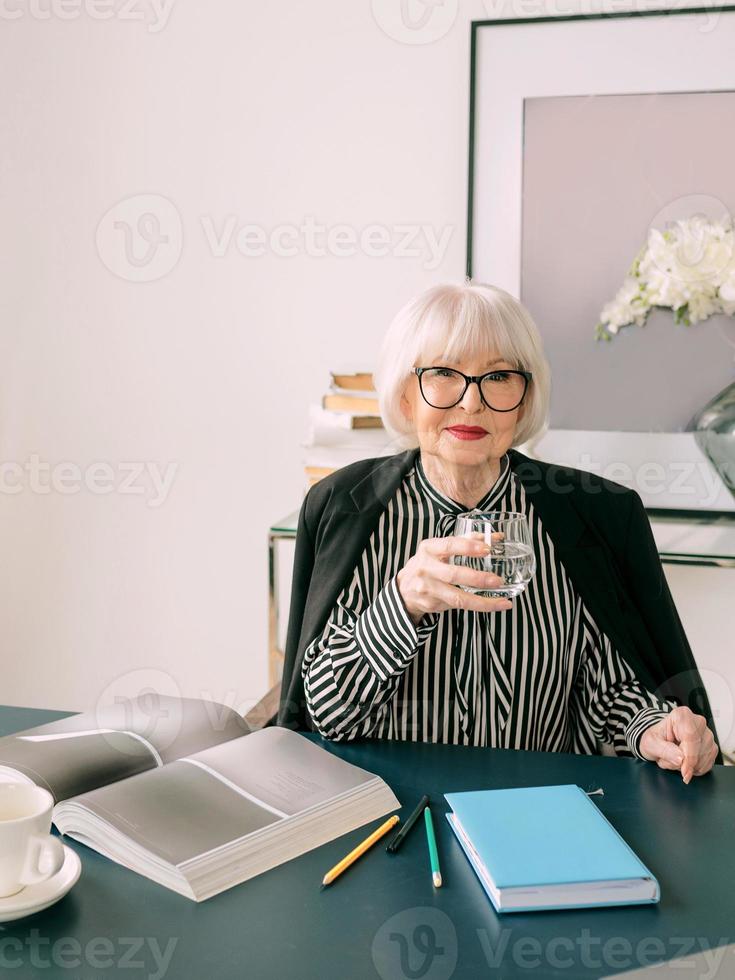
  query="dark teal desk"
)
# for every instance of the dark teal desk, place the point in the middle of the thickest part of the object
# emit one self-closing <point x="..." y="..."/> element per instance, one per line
<point x="383" y="918"/>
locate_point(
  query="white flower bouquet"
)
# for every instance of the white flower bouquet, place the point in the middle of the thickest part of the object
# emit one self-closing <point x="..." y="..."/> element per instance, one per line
<point x="688" y="268"/>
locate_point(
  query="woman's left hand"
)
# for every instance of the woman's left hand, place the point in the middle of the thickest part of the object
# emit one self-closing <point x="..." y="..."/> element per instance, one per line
<point x="681" y="740"/>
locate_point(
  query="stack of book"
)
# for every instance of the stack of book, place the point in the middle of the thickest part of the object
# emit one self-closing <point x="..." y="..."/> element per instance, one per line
<point x="345" y="427"/>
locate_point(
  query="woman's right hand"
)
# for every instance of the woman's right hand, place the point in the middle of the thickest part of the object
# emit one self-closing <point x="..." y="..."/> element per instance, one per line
<point x="428" y="582"/>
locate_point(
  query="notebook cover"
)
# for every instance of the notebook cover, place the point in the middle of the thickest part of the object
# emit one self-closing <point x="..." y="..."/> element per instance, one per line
<point x="572" y="904"/>
<point x="544" y="835"/>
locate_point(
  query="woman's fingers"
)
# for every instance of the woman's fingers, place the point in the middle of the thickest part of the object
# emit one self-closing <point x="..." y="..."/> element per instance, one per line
<point x="464" y="575"/>
<point x="681" y="741"/>
<point x="688" y="729"/>
<point x="707" y="761"/>
<point x="429" y="582"/>
<point x="444" y="548"/>
<point x="480" y="536"/>
<point x="707" y="754"/>
<point x="454" y="598"/>
<point x="667" y="754"/>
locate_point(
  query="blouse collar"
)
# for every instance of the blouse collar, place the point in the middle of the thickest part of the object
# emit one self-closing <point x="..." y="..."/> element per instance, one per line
<point x="446" y="503"/>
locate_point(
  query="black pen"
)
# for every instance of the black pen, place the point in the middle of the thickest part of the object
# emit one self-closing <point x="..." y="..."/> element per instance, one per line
<point x="405" y="828"/>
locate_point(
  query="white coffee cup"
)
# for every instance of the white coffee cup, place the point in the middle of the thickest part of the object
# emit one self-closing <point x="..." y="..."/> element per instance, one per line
<point x="28" y="853"/>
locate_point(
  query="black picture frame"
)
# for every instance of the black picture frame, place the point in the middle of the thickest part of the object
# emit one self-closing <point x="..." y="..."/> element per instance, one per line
<point x="706" y="515"/>
<point x="478" y="25"/>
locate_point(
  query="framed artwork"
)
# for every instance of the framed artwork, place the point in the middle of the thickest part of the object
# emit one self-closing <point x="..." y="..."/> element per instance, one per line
<point x="587" y="132"/>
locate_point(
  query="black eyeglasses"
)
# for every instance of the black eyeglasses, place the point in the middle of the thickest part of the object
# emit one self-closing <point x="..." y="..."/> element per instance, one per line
<point x="502" y="391"/>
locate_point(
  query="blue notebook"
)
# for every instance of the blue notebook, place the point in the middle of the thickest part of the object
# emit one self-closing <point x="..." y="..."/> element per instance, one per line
<point x="547" y="847"/>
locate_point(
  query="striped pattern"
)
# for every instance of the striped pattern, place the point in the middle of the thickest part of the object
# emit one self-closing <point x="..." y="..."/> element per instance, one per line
<point x="540" y="676"/>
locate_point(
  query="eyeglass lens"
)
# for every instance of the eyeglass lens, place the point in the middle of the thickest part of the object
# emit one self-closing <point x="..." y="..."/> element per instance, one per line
<point x="443" y="388"/>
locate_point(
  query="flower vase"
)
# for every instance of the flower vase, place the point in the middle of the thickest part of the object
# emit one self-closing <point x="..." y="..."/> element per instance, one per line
<point x="714" y="431"/>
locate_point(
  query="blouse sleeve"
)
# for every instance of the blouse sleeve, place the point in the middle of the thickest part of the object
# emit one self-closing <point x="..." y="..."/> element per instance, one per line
<point x="608" y="703"/>
<point x="353" y="670"/>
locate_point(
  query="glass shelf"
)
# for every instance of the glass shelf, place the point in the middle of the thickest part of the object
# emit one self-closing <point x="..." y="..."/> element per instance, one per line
<point x="703" y="539"/>
<point x="682" y="538"/>
<point x="286" y="527"/>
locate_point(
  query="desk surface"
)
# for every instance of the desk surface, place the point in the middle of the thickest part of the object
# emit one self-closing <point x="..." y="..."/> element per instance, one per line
<point x="384" y="918"/>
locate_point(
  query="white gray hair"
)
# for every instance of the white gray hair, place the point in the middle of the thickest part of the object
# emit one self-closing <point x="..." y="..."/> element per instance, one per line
<point x="454" y="321"/>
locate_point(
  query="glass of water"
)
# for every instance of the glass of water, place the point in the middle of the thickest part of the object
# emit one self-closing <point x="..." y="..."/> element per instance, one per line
<point x="511" y="556"/>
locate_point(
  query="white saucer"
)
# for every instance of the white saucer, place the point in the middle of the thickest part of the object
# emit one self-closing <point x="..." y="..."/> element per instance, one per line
<point x="35" y="898"/>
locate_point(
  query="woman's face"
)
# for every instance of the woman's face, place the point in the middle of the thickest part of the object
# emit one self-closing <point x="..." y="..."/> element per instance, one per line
<point x="439" y="430"/>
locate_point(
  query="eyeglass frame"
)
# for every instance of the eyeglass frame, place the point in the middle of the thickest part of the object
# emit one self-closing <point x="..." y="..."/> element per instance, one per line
<point x="476" y="379"/>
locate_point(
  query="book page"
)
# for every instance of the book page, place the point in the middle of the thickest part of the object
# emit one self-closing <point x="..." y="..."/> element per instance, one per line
<point x="177" y="812"/>
<point x="198" y="803"/>
<point x="283" y="770"/>
<point x="92" y="749"/>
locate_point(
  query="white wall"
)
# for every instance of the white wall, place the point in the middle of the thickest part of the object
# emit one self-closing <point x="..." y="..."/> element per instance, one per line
<point x="703" y="596"/>
<point x="266" y="112"/>
<point x="270" y="113"/>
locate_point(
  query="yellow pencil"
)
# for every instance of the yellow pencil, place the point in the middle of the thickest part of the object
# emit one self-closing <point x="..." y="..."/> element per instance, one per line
<point x="360" y="850"/>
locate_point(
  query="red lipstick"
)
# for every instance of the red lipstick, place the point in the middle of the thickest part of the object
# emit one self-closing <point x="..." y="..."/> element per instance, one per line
<point x="467" y="431"/>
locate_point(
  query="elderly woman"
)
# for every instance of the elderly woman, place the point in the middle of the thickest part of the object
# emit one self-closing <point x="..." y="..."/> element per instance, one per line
<point x="384" y="642"/>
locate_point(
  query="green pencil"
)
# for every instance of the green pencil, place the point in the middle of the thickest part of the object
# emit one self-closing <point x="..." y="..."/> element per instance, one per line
<point x="433" y="853"/>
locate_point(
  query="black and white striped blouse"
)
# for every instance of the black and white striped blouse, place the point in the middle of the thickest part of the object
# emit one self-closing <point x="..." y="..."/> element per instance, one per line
<point x="538" y="676"/>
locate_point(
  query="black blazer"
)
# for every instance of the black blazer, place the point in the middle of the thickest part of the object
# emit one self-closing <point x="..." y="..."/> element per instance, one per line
<point x="601" y="534"/>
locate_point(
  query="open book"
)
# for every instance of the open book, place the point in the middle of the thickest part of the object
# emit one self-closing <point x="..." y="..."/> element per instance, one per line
<point x="186" y="796"/>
